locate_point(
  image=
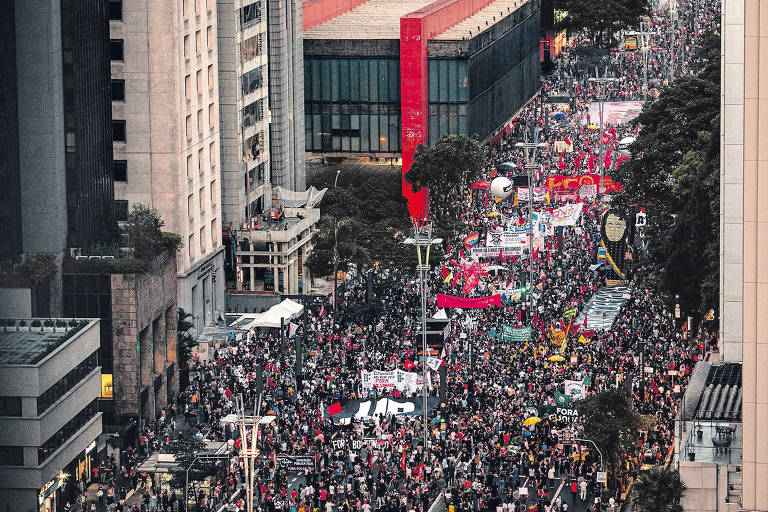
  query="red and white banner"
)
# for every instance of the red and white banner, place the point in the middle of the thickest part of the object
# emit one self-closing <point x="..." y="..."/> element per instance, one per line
<point x="566" y="215"/>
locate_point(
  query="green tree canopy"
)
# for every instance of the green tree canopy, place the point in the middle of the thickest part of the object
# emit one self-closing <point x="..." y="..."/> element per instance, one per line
<point x="447" y="169"/>
<point x="611" y="423"/>
<point x="185" y="451"/>
<point x="600" y="20"/>
<point x="145" y="233"/>
<point x="658" y="490"/>
<point x="674" y="174"/>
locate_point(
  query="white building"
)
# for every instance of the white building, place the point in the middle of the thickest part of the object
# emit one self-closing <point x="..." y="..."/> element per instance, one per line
<point x="165" y="112"/>
<point x="49" y="380"/>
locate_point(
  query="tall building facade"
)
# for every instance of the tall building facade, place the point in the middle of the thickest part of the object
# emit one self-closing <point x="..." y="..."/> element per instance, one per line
<point x="166" y="143"/>
<point x="286" y="94"/>
<point x="244" y="104"/>
<point x="744" y="227"/>
<point x="56" y="162"/>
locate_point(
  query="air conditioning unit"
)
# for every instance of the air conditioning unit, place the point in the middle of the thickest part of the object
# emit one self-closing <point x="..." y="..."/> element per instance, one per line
<point x="74" y="252"/>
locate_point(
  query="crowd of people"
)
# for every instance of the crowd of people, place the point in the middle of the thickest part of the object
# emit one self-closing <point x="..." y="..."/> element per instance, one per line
<point x="481" y="455"/>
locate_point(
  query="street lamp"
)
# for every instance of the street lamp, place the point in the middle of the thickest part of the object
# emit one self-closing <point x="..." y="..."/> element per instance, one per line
<point x="601" y="81"/>
<point x="602" y="467"/>
<point x="421" y="236"/>
<point x="530" y="164"/>
<point x="336" y="180"/>
<point x="643" y="32"/>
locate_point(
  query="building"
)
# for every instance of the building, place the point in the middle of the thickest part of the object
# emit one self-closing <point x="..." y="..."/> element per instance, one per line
<point x="137" y="308"/>
<point x="56" y="162"/>
<point x="244" y="105"/>
<point x="286" y="94"/>
<point x="271" y="253"/>
<point x="744" y="228"/>
<point x="49" y="380"/>
<point x="708" y="438"/>
<point x="165" y="125"/>
<point x="382" y="76"/>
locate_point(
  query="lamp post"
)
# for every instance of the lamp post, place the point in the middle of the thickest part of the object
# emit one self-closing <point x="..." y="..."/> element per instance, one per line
<point x="421" y="237"/>
<point x="601" y="81"/>
<point x="336" y="180"/>
<point x="602" y="467"/>
<point x="186" y="479"/>
<point x="643" y="33"/>
<point x="530" y="165"/>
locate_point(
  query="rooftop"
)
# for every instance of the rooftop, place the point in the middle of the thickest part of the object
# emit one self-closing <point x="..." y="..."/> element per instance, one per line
<point x="719" y="443"/>
<point x="481" y="20"/>
<point x="29" y="344"/>
<point x="375" y="19"/>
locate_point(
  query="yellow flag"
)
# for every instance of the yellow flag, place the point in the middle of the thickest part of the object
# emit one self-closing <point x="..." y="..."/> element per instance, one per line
<point x="448" y="277"/>
<point x="546" y="196"/>
<point x="582" y="339"/>
<point x="515" y="200"/>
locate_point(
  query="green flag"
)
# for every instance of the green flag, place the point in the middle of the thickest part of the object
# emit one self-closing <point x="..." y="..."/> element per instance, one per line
<point x="562" y="400"/>
<point x="587" y="380"/>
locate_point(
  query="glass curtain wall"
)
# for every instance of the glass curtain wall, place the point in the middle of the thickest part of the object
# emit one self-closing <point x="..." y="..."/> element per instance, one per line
<point x="448" y="96"/>
<point x="352" y="105"/>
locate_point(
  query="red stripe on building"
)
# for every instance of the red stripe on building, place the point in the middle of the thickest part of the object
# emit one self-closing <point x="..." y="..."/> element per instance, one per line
<point x="316" y="12"/>
<point x="416" y="29"/>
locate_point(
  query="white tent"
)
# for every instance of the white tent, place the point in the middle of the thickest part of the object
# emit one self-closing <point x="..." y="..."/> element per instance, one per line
<point x="286" y="310"/>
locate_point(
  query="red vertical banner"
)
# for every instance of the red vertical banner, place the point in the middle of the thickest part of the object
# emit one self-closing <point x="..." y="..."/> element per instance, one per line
<point x="414" y="106"/>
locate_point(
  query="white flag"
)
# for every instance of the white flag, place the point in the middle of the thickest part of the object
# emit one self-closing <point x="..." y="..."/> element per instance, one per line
<point x="434" y="363"/>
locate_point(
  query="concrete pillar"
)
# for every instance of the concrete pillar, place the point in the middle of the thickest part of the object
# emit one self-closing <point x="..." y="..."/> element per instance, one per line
<point x="160" y="334"/>
<point x="145" y="358"/>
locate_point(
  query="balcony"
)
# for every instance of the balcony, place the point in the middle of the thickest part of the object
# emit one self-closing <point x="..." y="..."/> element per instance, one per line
<point x="294" y="222"/>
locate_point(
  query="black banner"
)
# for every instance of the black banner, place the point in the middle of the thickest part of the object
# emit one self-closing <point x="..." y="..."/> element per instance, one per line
<point x="297" y="463"/>
<point x="368" y="408"/>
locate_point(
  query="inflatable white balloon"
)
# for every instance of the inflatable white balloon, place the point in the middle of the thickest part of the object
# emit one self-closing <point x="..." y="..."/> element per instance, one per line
<point x="624" y="146"/>
<point x="501" y="187"/>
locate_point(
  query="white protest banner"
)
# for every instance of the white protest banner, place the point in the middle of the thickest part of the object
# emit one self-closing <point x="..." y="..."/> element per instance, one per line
<point x="499" y="239"/>
<point x="587" y="191"/>
<point x="561" y="145"/>
<point x="491" y="252"/>
<point x="566" y="215"/>
<point x="539" y="194"/>
<point x="398" y="379"/>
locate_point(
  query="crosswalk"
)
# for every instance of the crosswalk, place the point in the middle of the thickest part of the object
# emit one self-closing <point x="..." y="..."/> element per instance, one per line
<point x="607" y="300"/>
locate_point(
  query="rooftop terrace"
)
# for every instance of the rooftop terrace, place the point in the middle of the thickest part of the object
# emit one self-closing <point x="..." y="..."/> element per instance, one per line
<point x="375" y="19"/>
<point x="27" y="344"/>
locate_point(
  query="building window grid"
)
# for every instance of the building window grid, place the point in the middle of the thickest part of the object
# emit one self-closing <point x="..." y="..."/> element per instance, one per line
<point x="352" y="105"/>
<point x="66" y="383"/>
<point x="57" y="440"/>
<point x="214" y="234"/>
<point x="187" y="48"/>
<point x="200" y="161"/>
<point x="198" y="42"/>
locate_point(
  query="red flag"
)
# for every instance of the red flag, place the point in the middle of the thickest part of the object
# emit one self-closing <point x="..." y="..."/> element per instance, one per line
<point x="402" y="460"/>
<point x="561" y="164"/>
<point x="608" y="158"/>
<point x="409" y="364"/>
<point x="613" y="133"/>
<point x="591" y="161"/>
<point x="334" y="409"/>
<point x="584" y="325"/>
<point x="567" y="140"/>
<point x="456" y="277"/>
<point x="501" y="256"/>
<point x="445" y="272"/>
<point x="322" y="311"/>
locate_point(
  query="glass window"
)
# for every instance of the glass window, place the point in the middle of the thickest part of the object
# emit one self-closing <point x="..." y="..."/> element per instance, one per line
<point x="71" y="379"/>
<point x="190" y="168"/>
<point x="212" y="153"/>
<point x="394" y="80"/>
<point x="203" y="241"/>
<point x="64" y="433"/>
<point x="453" y="81"/>
<point x="121" y="170"/>
<point x="374" y="132"/>
<point x="191" y="247"/>
<point x="365" y="141"/>
<point x="253" y="113"/>
<point x="344" y="79"/>
<point x="199" y="121"/>
<point x="115" y="10"/>
<point x="10" y="406"/>
<point x="250" y="14"/>
<point x="373" y="76"/>
<point x="334" y="70"/>
<point x="187" y="47"/>
<point x="190" y="205"/>
<point x="118" y="90"/>
<point x="214" y="234"/>
<point x="121" y="213"/>
<point x="118" y="131"/>
<point x="443" y="74"/>
<point x="250" y="48"/>
<point x="317" y="79"/>
<point x="116" y="49"/>
<point x="354" y="80"/>
<point x="211" y="115"/>
<point x="210" y="76"/>
<point x="463" y="81"/>
<point x="209" y="37"/>
<point x="383" y="80"/>
<point x="212" y="189"/>
<point x="252" y="80"/>
<point x="200" y="160"/>
<point x="364" y="88"/>
<point x="433" y="81"/>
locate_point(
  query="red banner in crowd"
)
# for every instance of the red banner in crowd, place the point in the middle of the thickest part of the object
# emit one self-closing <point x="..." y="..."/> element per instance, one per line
<point x="574" y="182"/>
<point x="449" y="301"/>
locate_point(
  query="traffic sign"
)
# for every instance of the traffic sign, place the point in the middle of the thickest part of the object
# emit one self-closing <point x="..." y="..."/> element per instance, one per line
<point x="601" y="477"/>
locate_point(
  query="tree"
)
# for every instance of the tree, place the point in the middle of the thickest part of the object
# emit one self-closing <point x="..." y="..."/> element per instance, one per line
<point x="674" y="175"/>
<point x="447" y="169"/>
<point x="611" y="423"/>
<point x="185" y="451"/>
<point x="600" y="20"/>
<point x="336" y="248"/>
<point x="658" y="490"/>
<point x="145" y="234"/>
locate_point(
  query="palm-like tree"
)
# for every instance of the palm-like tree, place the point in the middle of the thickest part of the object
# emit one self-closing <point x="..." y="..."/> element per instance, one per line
<point x="658" y="489"/>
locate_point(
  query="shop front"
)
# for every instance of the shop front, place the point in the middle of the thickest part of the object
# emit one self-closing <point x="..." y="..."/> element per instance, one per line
<point x="50" y="495"/>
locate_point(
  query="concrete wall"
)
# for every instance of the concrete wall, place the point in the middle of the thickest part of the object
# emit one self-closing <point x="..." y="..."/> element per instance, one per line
<point x="707" y="487"/>
<point x="41" y="125"/>
<point x="16" y="302"/>
<point x="144" y="334"/>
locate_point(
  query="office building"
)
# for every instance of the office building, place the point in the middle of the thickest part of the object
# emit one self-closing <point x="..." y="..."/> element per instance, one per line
<point x="49" y="380"/>
<point x="138" y="318"/>
<point x="165" y="124"/>
<point x="744" y="229"/>
<point x="56" y="162"/>
<point x="384" y="76"/>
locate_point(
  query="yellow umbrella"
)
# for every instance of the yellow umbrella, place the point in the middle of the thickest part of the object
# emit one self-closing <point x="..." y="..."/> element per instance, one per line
<point x="592" y="126"/>
<point x="556" y="358"/>
<point x="531" y="421"/>
<point x="494" y="214"/>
